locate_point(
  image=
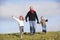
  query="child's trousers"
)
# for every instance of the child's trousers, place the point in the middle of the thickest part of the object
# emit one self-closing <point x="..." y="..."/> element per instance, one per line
<point x="44" y="28"/>
<point x="21" y="30"/>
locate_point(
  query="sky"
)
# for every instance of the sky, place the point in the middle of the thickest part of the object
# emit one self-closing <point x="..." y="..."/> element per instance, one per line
<point x="12" y="7"/>
<point x="50" y="9"/>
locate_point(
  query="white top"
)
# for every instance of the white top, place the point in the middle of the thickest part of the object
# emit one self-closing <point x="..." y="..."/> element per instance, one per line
<point x="20" y="22"/>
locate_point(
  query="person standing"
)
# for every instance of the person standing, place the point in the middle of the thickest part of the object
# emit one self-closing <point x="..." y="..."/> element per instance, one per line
<point x="43" y="24"/>
<point x="32" y="17"/>
<point x="20" y="21"/>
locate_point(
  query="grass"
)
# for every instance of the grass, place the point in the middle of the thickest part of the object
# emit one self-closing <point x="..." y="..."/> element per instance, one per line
<point x="27" y="36"/>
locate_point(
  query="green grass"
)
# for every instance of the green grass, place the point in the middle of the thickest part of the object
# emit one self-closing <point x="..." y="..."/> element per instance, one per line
<point x="27" y="36"/>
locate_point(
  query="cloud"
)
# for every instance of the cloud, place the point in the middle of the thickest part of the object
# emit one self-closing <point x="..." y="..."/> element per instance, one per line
<point x="2" y="2"/>
<point x="43" y="8"/>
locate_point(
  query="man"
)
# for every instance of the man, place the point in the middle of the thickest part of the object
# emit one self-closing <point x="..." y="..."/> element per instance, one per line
<point x="32" y="17"/>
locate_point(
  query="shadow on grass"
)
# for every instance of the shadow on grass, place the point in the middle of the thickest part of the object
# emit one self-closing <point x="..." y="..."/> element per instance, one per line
<point x="25" y="33"/>
<point x="17" y="35"/>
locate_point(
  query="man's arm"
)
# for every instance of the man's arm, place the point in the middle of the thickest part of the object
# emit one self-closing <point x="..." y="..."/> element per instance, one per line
<point x="36" y="17"/>
<point x="26" y="16"/>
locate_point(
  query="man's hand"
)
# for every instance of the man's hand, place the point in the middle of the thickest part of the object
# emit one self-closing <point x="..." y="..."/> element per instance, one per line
<point x="26" y="20"/>
<point x="38" y="23"/>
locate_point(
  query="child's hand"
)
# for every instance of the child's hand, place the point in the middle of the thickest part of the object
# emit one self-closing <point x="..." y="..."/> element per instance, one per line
<point x="26" y="20"/>
<point x="46" y="20"/>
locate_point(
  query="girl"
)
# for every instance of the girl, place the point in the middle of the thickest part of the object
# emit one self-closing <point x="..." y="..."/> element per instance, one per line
<point x="43" y="23"/>
<point x="20" y="21"/>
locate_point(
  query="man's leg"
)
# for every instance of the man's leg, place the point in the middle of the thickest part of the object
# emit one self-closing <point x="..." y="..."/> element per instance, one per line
<point x="45" y="29"/>
<point x="31" y="29"/>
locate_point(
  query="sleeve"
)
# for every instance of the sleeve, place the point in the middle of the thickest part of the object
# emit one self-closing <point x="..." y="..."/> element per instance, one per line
<point x="36" y="17"/>
<point x="40" y="21"/>
<point x="46" y="20"/>
<point x="16" y="19"/>
<point x="26" y="16"/>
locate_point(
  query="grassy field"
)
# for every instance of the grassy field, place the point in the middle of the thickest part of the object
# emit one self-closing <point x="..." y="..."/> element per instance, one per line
<point x="27" y="36"/>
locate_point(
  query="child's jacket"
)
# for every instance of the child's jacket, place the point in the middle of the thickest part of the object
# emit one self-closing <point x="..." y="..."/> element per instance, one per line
<point x="20" y="22"/>
<point x="43" y="22"/>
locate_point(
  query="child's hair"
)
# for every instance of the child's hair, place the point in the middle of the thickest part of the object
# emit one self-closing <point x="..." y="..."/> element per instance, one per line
<point x="41" y="17"/>
<point x="21" y="17"/>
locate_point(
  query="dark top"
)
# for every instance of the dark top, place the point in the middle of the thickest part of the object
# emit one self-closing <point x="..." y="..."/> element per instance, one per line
<point x="31" y="16"/>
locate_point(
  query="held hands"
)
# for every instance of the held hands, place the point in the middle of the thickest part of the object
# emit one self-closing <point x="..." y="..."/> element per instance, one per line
<point x="26" y="20"/>
<point x="38" y="22"/>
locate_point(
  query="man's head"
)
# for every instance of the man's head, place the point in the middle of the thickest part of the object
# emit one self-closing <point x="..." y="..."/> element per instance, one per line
<point x="31" y="8"/>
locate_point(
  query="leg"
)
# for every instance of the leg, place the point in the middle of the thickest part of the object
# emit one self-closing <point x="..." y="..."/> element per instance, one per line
<point x="21" y="31"/>
<point x="31" y="27"/>
<point x="44" y="28"/>
<point x="34" y="30"/>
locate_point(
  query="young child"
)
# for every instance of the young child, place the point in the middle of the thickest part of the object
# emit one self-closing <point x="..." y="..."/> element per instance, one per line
<point x="20" y="21"/>
<point x="43" y="23"/>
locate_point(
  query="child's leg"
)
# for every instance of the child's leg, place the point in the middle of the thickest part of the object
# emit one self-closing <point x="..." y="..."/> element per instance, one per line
<point x="33" y="24"/>
<point x="44" y="29"/>
<point x="21" y="31"/>
<point x="30" y="30"/>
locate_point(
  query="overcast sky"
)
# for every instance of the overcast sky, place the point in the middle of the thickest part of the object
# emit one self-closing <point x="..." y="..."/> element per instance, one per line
<point x="21" y="7"/>
<point x="47" y="8"/>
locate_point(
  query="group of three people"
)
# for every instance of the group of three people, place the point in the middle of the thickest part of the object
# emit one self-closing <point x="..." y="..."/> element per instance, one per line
<point x="32" y="15"/>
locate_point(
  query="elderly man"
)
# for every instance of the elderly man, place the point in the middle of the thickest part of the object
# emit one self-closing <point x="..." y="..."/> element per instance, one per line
<point x="32" y="17"/>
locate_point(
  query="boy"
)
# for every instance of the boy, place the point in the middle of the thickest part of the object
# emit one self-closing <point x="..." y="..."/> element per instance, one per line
<point x="20" y="21"/>
<point x="43" y="23"/>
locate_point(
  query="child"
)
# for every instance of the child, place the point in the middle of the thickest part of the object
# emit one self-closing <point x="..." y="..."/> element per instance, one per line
<point x="43" y="23"/>
<point x="20" y="21"/>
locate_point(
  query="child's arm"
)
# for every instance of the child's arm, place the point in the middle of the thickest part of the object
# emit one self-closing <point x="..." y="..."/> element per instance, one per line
<point x="15" y="18"/>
